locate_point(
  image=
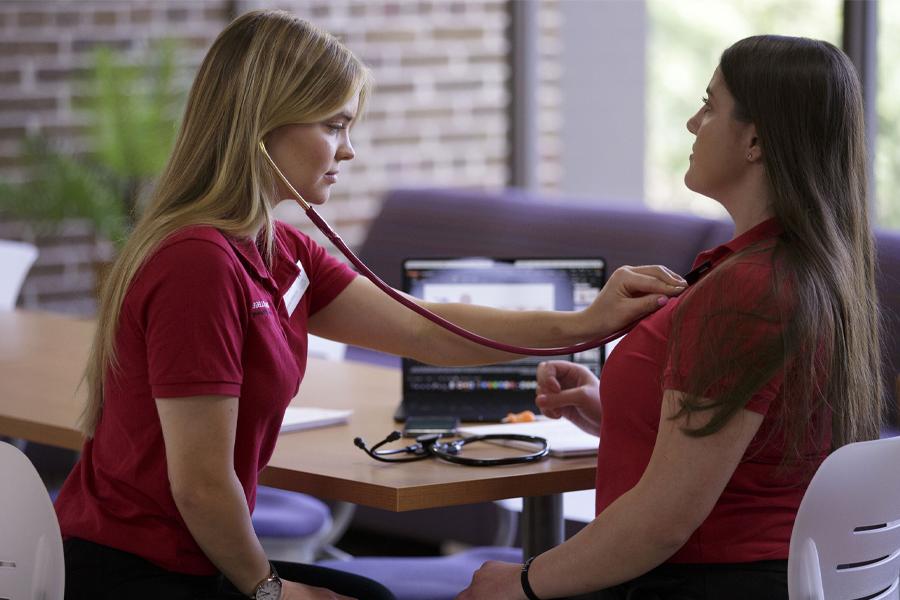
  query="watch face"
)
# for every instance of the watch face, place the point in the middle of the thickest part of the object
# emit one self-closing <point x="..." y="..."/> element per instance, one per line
<point x="269" y="590"/>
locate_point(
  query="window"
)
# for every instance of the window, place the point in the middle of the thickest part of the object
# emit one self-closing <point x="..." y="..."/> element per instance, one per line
<point x="684" y="42"/>
<point x="887" y="142"/>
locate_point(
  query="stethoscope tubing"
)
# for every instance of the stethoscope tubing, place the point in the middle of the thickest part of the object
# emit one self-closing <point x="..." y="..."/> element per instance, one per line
<point x="449" y="326"/>
<point x="335" y="239"/>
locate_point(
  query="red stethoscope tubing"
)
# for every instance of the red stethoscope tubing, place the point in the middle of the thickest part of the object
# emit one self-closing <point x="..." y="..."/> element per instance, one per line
<point x="452" y="327"/>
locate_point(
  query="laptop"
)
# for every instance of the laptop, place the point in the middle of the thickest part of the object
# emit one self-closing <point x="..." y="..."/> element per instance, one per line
<point x="488" y="393"/>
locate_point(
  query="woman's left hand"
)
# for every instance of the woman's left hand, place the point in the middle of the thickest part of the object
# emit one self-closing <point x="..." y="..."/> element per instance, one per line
<point x="497" y="581"/>
<point x="631" y="293"/>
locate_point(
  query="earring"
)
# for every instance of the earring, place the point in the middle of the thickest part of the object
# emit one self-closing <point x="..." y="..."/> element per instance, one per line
<point x="749" y="156"/>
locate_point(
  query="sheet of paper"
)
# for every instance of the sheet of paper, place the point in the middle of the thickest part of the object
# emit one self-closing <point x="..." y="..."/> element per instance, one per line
<point x="564" y="437"/>
<point x="307" y="417"/>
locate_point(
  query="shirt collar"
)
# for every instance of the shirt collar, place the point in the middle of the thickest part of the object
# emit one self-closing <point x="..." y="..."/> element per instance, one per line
<point x="769" y="228"/>
<point x="248" y="252"/>
<point x="284" y="269"/>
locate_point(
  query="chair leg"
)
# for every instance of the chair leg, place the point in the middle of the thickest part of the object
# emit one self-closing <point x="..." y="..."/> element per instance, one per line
<point x="507" y="526"/>
<point x="341" y="516"/>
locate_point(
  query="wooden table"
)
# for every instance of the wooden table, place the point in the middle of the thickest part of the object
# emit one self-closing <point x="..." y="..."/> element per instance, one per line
<point x="42" y="357"/>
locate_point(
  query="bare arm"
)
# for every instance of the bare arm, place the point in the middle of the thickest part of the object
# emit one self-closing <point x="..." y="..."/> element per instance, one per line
<point x="363" y="315"/>
<point x="199" y="437"/>
<point x="643" y="527"/>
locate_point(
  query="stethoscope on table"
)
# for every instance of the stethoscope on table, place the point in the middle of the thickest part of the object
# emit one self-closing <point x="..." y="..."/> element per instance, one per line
<point x="450" y="450"/>
<point x="430" y="445"/>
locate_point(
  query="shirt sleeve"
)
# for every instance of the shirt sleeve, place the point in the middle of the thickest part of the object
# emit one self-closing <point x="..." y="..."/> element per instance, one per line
<point x="730" y="327"/>
<point x="194" y="315"/>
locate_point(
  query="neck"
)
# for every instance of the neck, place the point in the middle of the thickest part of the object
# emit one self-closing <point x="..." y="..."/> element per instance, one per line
<point x="750" y="205"/>
<point x="744" y="221"/>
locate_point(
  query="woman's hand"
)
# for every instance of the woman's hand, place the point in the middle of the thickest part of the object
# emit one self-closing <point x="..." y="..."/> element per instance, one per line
<point x="497" y="581"/>
<point x="631" y="293"/>
<point x="569" y="390"/>
<point x="297" y="591"/>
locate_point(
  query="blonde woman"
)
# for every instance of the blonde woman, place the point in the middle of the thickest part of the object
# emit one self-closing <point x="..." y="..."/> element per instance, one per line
<point x="201" y="338"/>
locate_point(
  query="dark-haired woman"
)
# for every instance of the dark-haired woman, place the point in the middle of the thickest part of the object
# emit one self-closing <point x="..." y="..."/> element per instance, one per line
<point x="716" y="409"/>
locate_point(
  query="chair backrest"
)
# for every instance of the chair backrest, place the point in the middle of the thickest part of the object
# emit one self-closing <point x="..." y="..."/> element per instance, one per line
<point x="846" y="538"/>
<point x="31" y="551"/>
<point x="16" y="259"/>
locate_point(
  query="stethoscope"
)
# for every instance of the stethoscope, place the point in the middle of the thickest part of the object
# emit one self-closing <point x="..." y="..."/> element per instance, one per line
<point x="335" y="239"/>
<point x="429" y="445"/>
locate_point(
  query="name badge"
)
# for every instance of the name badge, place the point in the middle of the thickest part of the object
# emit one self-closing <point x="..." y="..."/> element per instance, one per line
<point x="295" y="292"/>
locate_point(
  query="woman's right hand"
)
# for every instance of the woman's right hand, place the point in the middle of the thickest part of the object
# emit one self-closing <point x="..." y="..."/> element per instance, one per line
<point x="569" y="390"/>
<point x="297" y="591"/>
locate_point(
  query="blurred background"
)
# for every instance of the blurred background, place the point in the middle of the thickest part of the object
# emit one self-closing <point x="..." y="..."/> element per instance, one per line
<point x="585" y="100"/>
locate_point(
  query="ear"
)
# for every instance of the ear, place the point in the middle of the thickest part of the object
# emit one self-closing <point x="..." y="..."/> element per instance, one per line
<point x="751" y="140"/>
<point x="752" y="148"/>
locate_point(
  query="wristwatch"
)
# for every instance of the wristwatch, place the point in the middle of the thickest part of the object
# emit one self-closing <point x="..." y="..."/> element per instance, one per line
<point x="269" y="588"/>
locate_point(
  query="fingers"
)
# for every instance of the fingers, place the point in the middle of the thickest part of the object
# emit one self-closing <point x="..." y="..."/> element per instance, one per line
<point x="662" y="273"/>
<point x="552" y="405"/>
<point x="556" y="375"/>
<point x="546" y="377"/>
<point x="649" y="280"/>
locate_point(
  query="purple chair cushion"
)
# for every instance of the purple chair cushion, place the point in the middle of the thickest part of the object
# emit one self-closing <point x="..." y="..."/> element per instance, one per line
<point x="425" y="578"/>
<point x="446" y="223"/>
<point x="280" y="513"/>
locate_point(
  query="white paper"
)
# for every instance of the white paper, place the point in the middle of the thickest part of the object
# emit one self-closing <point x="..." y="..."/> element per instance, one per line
<point x="297" y="418"/>
<point x="564" y="437"/>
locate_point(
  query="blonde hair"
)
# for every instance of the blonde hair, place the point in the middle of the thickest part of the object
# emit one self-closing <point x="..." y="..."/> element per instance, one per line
<point x="265" y="70"/>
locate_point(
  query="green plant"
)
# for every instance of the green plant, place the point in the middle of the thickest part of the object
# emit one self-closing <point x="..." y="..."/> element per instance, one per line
<point x="130" y="108"/>
<point x="58" y="187"/>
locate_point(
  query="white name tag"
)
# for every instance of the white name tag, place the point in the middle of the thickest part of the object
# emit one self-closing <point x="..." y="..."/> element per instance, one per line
<point x="296" y="291"/>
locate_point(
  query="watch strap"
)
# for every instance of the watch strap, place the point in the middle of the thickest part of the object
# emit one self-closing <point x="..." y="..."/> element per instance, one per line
<point x="526" y="587"/>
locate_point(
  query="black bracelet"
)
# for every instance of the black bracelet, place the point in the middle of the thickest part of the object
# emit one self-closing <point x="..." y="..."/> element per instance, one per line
<point x="526" y="587"/>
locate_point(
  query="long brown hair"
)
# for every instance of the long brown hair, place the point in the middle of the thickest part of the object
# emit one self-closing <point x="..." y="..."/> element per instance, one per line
<point x="820" y="318"/>
<point x="265" y="70"/>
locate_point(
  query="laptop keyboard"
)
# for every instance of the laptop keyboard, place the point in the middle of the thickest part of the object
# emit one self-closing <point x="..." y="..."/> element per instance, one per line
<point x="465" y="411"/>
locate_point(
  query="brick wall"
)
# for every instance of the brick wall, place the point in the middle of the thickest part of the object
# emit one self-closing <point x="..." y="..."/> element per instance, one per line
<point x="438" y="116"/>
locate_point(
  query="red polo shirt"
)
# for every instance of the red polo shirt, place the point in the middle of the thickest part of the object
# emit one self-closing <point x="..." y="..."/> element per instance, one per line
<point x="203" y="316"/>
<point x="754" y="516"/>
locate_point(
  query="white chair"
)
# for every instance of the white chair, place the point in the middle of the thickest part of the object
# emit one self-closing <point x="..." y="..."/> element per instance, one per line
<point x="846" y="538"/>
<point x="16" y="259"/>
<point x="31" y="550"/>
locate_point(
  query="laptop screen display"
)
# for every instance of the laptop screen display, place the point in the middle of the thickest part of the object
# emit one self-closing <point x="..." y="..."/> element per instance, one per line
<point x="514" y="284"/>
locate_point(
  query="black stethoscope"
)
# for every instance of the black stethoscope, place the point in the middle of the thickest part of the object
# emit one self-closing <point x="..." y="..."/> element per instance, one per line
<point x="429" y="445"/>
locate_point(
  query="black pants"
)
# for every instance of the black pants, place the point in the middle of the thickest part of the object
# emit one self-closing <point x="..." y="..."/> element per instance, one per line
<point x="764" y="580"/>
<point x="98" y="572"/>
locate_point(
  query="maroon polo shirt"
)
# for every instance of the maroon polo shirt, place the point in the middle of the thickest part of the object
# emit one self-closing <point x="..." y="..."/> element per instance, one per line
<point x="203" y="316"/>
<point x="753" y="518"/>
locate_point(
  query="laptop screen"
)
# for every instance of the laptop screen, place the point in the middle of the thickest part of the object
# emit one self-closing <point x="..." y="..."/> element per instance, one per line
<point x="515" y="284"/>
